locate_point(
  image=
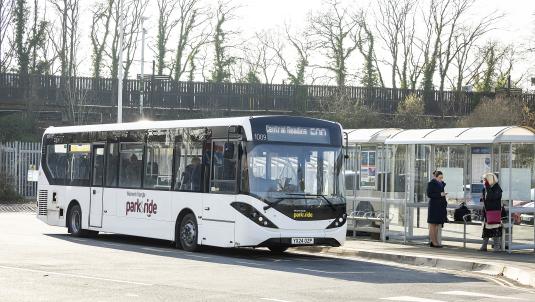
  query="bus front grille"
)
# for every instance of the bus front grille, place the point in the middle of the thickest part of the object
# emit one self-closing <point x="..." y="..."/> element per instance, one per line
<point x="42" y="202"/>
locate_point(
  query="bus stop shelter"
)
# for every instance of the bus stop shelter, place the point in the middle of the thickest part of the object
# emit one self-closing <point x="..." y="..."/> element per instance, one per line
<point x="364" y="178"/>
<point x="409" y="157"/>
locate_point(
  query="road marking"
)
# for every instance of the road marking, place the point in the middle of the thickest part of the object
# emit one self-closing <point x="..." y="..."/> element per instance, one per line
<point x="410" y="299"/>
<point x="472" y="294"/>
<point x="131" y="295"/>
<point x="327" y="272"/>
<point x="73" y="275"/>
<point x="275" y="300"/>
<point x="193" y="255"/>
<point x="249" y="263"/>
<point x="156" y="250"/>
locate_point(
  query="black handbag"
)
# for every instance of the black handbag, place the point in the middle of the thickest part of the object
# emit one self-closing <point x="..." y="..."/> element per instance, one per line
<point x="460" y="212"/>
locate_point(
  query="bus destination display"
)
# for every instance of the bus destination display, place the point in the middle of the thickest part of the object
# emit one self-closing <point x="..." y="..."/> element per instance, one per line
<point x="280" y="133"/>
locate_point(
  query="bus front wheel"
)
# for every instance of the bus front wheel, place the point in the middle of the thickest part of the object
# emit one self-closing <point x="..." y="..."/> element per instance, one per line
<point x="188" y="234"/>
<point x="74" y="223"/>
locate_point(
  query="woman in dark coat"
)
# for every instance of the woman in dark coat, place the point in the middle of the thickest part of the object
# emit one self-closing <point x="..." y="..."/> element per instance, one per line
<point x="492" y="200"/>
<point x="437" y="214"/>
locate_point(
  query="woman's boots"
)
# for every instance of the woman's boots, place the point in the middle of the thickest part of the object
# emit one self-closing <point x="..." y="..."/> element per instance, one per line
<point x="483" y="247"/>
<point x="496" y="244"/>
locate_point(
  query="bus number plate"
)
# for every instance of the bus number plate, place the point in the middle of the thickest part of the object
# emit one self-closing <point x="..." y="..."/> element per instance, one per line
<point x="302" y="240"/>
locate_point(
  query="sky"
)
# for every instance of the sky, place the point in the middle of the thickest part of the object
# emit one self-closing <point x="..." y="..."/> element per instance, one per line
<point x="517" y="26"/>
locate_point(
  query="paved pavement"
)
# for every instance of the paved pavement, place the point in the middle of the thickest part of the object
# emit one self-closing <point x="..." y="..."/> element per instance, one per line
<point x="42" y="263"/>
<point x="518" y="267"/>
<point x="30" y="207"/>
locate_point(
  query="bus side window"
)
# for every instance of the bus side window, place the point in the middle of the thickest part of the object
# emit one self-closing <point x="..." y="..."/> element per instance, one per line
<point x="130" y="165"/>
<point x="224" y="165"/>
<point x="57" y="163"/>
<point x="112" y="162"/>
<point x="188" y="166"/>
<point x="158" y="166"/>
<point x="79" y="164"/>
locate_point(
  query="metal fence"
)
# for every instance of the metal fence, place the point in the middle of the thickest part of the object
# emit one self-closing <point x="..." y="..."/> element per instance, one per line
<point x="16" y="158"/>
<point x="49" y="93"/>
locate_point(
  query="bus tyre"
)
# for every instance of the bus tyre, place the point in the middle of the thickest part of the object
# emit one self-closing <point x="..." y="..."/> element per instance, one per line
<point x="278" y="249"/>
<point x="188" y="233"/>
<point x="74" y="223"/>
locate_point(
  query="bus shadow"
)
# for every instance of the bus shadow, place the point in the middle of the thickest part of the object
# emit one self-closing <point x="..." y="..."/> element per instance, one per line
<point x="313" y="265"/>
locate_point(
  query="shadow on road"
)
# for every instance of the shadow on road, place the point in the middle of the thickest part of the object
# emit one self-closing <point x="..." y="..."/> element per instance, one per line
<point x="321" y="266"/>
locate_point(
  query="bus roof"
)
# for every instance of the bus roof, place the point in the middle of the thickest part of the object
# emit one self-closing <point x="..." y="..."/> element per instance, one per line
<point x="244" y="121"/>
<point x="148" y="124"/>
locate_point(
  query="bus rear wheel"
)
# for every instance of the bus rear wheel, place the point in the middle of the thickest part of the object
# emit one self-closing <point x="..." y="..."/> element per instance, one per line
<point x="188" y="233"/>
<point x="74" y="223"/>
<point x="278" y="249"/>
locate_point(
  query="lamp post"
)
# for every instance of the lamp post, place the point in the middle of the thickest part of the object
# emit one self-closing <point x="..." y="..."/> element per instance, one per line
<point x="120" y="74"/>
<point x="142" y="86"/>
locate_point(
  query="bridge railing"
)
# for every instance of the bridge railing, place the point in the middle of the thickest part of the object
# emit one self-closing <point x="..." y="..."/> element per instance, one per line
<point x="50" y="90"/>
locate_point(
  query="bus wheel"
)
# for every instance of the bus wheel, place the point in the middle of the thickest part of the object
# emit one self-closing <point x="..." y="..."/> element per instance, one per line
<point x="74" y="221"/>
<point x="278" y="249"/>
<point x="189" y="233"/>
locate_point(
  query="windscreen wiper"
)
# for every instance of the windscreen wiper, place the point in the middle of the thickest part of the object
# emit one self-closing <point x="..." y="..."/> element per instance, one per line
<point x="331" y="205"/>
<point x="277" y="201"/>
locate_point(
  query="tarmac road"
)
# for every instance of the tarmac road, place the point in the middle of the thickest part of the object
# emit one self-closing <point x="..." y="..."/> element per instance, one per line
<point x="43" y="263"/>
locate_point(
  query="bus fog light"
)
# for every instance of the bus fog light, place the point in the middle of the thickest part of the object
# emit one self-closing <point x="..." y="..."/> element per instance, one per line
<point x="338" y="221"/>
<point x="260" y="219"/>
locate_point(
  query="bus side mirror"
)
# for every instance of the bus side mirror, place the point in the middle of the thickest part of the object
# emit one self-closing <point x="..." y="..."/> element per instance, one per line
<point x="229" y="150"/>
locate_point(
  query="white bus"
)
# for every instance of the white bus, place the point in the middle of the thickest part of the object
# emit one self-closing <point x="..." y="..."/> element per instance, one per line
<point x="268" y="181"/>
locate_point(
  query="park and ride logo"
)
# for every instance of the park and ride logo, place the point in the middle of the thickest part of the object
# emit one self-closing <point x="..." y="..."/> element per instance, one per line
<point x="140" y="204"/>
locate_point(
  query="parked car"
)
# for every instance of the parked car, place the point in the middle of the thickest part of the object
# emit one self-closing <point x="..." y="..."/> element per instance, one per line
<point x="528" y="217"/>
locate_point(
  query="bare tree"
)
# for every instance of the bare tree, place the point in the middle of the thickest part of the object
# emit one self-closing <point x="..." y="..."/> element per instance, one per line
<point x="100" y="30"/>
<point x="334" y="30"/>
<point x="76" y="100"/>
<point x="411" y="66"/>
<point x="6" y="31"/>
<point x="392" y="18"/>
<point x="166" y="8"/>
<point x="497" y="63"/>
<point x="29" y="37"/>
<point x="223" y="60"/>
<point x="470" y="35"/>
<point x="67" y="41"/>
<point x="435" y="19"/>
<point x="260" y="58"/>
<point x="133" y="12"/>
<point x="300" y="45"/>
<point x="371" y="74"/>
<point x="193" y="33"/>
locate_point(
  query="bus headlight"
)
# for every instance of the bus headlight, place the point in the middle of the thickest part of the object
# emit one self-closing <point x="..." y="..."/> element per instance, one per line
<point x="253" y="214"/>
<point x="338" y="222"/>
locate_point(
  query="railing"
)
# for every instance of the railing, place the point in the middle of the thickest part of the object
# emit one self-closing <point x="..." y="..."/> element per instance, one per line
<point x="54" y="91"/>
<point x="16" y="158"/>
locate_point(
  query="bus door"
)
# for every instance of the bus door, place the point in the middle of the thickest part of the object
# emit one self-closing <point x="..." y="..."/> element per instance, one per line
<point x="97" y="181"/>
<point x="218" y="215"/>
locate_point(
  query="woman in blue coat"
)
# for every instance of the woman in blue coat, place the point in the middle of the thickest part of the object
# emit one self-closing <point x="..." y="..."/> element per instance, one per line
<point x="437" y="214"/>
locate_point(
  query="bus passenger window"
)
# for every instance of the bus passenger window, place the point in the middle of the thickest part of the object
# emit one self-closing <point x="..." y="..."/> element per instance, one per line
<point x="79" y="164"/>
<point x="158" y="166"/>
<point x="130" y="165"/>
<point x="224" y="165"/>
<point x="188" y="166"/>
<point x="112" y="161"/>
<point x="57" y="163"/>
